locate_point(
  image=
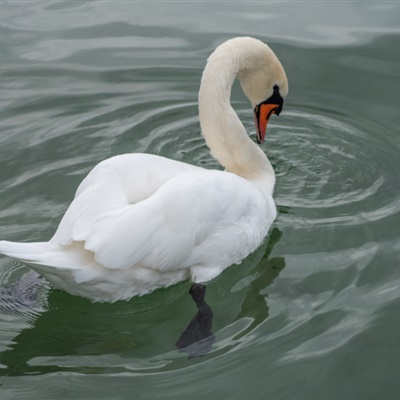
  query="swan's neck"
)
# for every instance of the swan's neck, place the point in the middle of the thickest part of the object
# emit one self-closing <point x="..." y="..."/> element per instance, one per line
<point x="223" y="131"/>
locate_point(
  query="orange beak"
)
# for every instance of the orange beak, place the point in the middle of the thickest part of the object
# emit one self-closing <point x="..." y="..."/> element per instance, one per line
<point x="262" y="113"/>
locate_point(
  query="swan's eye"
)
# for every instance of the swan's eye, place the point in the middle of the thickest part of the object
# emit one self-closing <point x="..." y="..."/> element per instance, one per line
<point x="276" y="98"/>
<point x="278" y="109"/>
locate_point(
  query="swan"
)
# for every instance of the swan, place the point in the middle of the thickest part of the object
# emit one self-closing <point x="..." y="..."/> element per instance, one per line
<point x="139" y="222"/>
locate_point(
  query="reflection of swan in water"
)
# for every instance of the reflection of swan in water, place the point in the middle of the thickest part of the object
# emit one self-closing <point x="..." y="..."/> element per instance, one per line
<point x="197" y="339"/>
<point x="255" y="305"/>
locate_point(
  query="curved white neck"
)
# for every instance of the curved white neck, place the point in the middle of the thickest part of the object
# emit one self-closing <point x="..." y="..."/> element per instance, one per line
<point x="223" y="131"/>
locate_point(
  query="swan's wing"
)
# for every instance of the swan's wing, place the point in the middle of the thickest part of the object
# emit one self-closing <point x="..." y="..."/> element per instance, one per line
<point x="111" y="185"/>
<point x="208" y="210"/>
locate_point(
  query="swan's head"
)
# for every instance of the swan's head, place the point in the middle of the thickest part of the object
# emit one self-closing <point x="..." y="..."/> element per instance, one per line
<point x="263" y="81"/>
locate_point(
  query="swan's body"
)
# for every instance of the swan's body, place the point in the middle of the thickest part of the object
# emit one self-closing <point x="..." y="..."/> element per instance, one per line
<point x="140" y="222"/>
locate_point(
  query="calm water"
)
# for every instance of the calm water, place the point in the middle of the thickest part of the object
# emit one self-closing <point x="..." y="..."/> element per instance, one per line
<point x="314" y="312"/>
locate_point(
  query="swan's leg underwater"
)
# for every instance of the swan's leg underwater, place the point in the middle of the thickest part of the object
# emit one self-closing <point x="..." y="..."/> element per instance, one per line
<point x="197" y="339"/>
<point x="198" y="292"/>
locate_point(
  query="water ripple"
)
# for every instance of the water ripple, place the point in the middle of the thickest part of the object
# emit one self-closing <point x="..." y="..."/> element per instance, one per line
<point x="311" y="152"/>
<point x="102" y="86"/>
<point x="314" y="153"/>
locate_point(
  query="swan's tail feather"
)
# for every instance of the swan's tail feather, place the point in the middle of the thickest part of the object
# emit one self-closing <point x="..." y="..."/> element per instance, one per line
<point x="26" y="252"/>
<point x="50" y="259"/>
<point x="44" y="257"/>
<point x="63" y="266"/>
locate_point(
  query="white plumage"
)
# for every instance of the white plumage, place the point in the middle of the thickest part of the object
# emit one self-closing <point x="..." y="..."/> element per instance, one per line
<point x="139" y="222"/>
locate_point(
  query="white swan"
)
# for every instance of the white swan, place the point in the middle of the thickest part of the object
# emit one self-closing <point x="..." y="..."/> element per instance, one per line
<point x="139" y="222"/>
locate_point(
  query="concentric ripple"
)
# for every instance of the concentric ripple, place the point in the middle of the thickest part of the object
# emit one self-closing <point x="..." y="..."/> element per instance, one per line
<point x="22" y="300"/>
<point x="330" y="176"/>
<point x="317" y="152"/>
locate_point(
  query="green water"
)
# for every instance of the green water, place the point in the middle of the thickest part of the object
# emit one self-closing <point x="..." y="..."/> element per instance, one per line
<point x="314" y="312"/>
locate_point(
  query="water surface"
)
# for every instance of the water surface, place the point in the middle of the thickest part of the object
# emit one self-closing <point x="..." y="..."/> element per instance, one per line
<point x="313" y="313"/>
